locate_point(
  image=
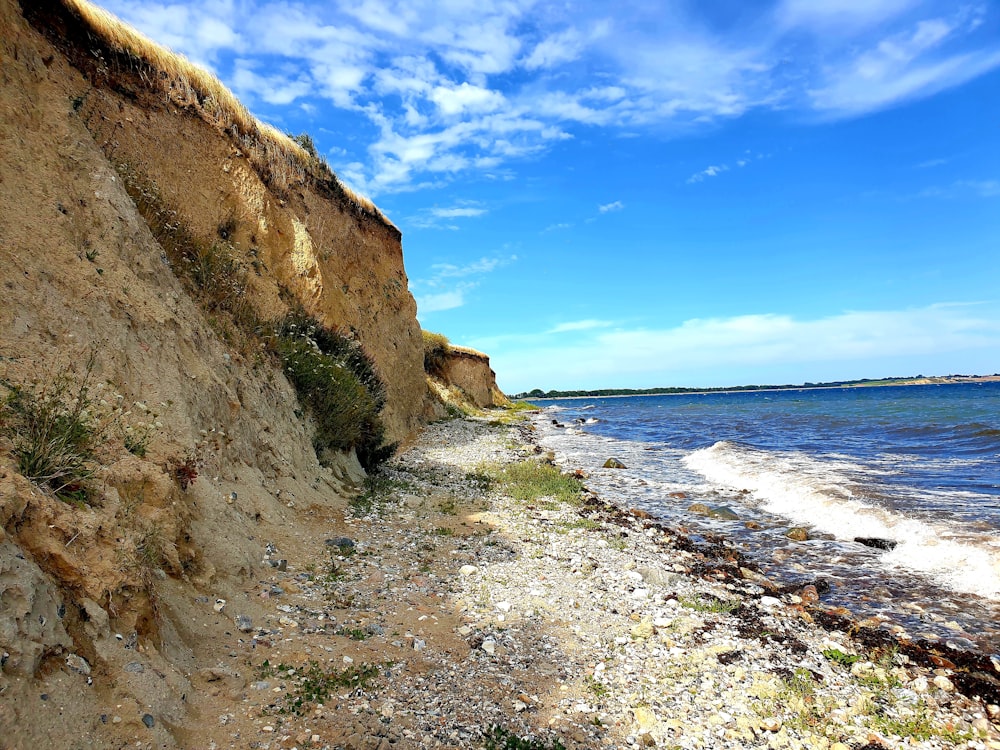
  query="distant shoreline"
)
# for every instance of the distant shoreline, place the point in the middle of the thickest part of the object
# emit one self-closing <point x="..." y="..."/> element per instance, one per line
<point x="886" y="382"/>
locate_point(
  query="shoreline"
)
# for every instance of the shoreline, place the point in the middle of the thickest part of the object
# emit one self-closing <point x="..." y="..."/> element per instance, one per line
<point x="577" y="623"/>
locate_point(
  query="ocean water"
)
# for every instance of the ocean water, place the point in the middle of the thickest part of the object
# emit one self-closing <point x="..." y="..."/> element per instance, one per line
<point x="918" y="465"/>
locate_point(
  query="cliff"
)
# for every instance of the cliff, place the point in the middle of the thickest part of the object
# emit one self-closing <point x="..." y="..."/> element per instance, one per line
<point x="150" y="231"/>
<point x="469" y="371"/>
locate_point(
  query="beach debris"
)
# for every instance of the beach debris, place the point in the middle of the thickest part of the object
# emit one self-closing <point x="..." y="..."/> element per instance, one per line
<point x="876" y="542"/>
<point x="798" y="534"/>
<point x="614" y="463"/>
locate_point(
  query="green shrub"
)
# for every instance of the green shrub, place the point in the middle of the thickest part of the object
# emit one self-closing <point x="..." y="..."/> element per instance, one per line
<point x="336" y="381"/>
<point x="436" y="348"/>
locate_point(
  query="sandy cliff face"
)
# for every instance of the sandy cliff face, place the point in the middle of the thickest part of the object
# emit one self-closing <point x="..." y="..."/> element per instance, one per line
<point x="130" y="577"/>
<point x="470" y="371"/>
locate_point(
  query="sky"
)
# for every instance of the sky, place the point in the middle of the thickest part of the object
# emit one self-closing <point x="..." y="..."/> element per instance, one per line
<point x="654" y="192"/>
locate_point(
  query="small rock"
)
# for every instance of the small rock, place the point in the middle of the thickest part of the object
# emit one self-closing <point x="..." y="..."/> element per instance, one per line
<point x="943" y="683"/>
<point x="489" y="646"/>
<point x="468" y="570"/>
<point x="419" y="644"/>
<point x="77" y="664"/>
<point x="135" y="667"/>
<point x="219" y="605"/>
<point x="148" y="720"/>
<point x="699" y="508"/>
<point x="614" y="463"/>
<point x="243" y="623"/>
<point x="752" y="525"/>
<point x="643" y="630"/>
<point x="798" y="534"/>
<point x="770" y="724"/>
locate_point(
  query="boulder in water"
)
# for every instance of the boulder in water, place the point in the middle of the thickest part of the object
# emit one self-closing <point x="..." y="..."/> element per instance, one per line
<point x="798" y="534"/>
<point x="614" y="463"/>
<point x="699" y="508"/>
<point x="724" y="512"/>
<point x="876" y="542"/>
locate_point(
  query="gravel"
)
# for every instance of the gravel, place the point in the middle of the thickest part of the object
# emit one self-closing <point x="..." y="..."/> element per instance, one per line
<point x="578" y="624"/>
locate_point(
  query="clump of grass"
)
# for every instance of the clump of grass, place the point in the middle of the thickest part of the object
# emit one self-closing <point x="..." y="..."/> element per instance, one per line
<point x="839" y="657"/>
<point x="529" y="481"/>
<point x="499" y="738"/>
<point x="707" y="603"/>
<point x="337" y="382"/>
<point x="63" y="429"/>
<point x="436" y="348"/>
<point x="378" y="490"/>
<point x="314" y="685"/>
<point x="595" y="686"/>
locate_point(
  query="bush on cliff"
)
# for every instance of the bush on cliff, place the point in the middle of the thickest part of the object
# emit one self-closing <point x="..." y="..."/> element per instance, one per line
<point x="436" y="347"/>
<point x="337" y="382"/>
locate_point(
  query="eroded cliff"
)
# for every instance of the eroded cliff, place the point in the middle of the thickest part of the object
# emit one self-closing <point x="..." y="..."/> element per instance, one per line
<point x="111" y="154"/>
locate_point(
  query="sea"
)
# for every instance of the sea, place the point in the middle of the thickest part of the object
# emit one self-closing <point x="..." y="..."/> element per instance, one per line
<point x="917" y="465"/>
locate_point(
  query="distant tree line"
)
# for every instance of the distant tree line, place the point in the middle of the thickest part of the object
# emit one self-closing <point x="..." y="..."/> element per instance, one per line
<point x="539" y="393"/>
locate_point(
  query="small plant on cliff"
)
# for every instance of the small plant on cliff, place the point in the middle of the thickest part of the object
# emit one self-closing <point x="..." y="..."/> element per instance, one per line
<point x="62" y="428"/>
<point x="337" y="382"/>
<point x="499" y="738"/>
<point x="436" y="347"/>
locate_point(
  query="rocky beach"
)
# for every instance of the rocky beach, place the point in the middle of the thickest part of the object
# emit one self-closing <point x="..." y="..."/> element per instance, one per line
<point x="444" y="612"/>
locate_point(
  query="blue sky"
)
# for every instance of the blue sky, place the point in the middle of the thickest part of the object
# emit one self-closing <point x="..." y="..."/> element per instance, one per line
<point x="646" y="193"/>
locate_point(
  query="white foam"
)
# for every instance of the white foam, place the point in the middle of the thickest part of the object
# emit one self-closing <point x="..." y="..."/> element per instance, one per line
<point x="822" y="494"/>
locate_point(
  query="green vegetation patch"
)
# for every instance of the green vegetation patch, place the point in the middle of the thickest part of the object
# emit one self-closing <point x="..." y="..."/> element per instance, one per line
<point x="499" y="738"/>
<point x="312" y="684"/>
<point x="64" y="428"/>
<point x="530" y="480"/>
<point x="337" y="382"/>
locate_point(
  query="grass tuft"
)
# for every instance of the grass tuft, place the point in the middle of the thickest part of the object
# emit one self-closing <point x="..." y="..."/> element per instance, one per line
<point x="529" y="481"/>
<point x="499" y="738"/>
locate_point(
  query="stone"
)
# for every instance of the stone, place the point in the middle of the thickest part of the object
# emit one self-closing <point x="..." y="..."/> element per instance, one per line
<point x="724" y="512"/>
<point x="77" y="664"/>
<point x="243" y="623"/>
<point x="489" y="646"/>
<point x="468" y="570"/>
<point x="770" y="724"/>
<point x="699" y="508"/>
<point x="220" y="604"/>
<point x="876" y="542"/>
<point x="809" y="594"/>
<point x="341" y="542"/>
<point x="614" y="463"/>
<point x="798" y="534"/>
<point x="135" y="667"/>
<point x="752" y="525"/>
<point x="148" y="720"/>
<point x="943" y="683"/>
<point x="643" y="630"/>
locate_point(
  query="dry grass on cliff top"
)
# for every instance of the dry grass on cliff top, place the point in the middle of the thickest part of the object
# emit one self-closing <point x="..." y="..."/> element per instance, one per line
<point x="188" y="85"/>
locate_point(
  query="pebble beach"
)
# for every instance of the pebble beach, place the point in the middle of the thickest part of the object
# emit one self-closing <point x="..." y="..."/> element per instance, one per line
<point x="458" y="616"/>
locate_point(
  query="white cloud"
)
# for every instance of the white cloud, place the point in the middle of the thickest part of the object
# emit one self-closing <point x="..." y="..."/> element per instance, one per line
<point x="580" y="325"/>
<point x="710" y="171"/>
<point x="903" y="66"/>
<point x="451" y="213"/>
<point x="431" y="303"/>
<point x="465" y="86"/>
<point x="701" y="349"/>
<point x="440" y="291"/>
<point x="610" y="207"/>
<point x="466" y="98"/>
